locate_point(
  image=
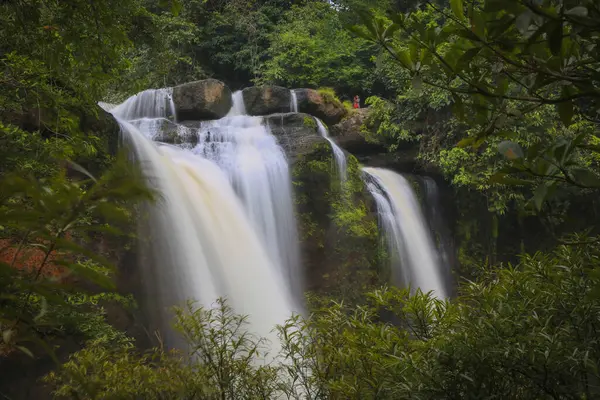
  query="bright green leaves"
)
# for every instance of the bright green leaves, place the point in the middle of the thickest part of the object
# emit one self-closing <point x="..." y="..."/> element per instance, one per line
<point x="457" y="9"/>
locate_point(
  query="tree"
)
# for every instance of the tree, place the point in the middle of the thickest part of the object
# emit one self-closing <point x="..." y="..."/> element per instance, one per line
<point x="312" y="49"/>
<point x="502" y="61"/>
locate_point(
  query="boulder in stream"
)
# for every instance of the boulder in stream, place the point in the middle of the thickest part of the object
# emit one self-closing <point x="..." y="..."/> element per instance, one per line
<point x="265" y="100"/>
<point x="322" y="105"/>
<point x="201" y="100"/>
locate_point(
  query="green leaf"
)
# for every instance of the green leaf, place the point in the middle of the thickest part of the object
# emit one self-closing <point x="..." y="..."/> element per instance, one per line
<point x="555" y="38"/>
<point x="494" y="5"/>
<point x="478" y="24"/>
<point x="566" y="112"/>
<point x="457" y="9"/>
<point x="504" y="179"/>
<point x="417" y="83"/>
<point x="524" y="21"/>
<point x="25" y="350"/>
<point x="389" y="31"/>
<point x="585" y="177"/>
<point x="578" y="11"/>
<point x="465" y="142"/>
<point x="539" y="196"/>
<point x="458" y="107"/>
<point x="360" y="32"/>
<point x="510" y="150"/>
<point x="466" y="58"/>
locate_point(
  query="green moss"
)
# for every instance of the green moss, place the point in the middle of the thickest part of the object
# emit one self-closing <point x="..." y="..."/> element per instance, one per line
<point x="339" y="218"/>
<point x="329" y="96"/>
<point x="310" y="122"/>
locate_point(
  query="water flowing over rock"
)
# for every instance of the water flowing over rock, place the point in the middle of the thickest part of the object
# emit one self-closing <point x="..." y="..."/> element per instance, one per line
<point x="348" y="134"/>
<point x="324" y="107"/>
<point x="338" y="153"/>
<point x="297" y="133"/>
<point x="200" y="100"/>
<point x="414" y="260"/>
<point x="224" y="222"/>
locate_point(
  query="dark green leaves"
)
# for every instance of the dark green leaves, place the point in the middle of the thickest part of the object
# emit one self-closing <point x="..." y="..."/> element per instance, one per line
<point x="585" y="177"/>
<point x="578" y="11"/>
<point x="566" y="111"/>
<point x="555" y="37"/>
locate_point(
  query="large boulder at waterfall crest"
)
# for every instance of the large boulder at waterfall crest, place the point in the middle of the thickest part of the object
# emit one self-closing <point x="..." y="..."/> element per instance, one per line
<point x="349" y="136"/>
<point x="321" y="105"/>
<point x="201" y="100"/>
<point x="297" y="133"/>
<point x="265" y="100"/>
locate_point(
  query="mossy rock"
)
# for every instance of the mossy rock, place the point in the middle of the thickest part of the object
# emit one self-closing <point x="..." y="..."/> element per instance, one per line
<point x="322" y="105"/>
<point x="296" y="132"/>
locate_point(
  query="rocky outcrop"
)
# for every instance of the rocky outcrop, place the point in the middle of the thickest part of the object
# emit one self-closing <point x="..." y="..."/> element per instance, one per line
<point x="348" y="134"/>
<point x="296" y="132"/>
<point x="321" y="105"/>
<point x="201" y="100"/>
<point x="171" y="133"/>
<point x="265" y="100"/>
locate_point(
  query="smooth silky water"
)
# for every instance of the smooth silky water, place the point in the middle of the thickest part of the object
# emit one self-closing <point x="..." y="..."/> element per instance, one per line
<point x="224" y="222"/>
<point x="413" y="256"/>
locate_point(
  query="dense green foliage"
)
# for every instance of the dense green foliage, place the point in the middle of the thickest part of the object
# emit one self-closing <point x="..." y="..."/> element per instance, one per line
<point x="526" y="331"/>
<point x="500" y="97"/>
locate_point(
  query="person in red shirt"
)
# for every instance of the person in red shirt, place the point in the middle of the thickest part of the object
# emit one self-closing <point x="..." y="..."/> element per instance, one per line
<point x="356" y="101"/>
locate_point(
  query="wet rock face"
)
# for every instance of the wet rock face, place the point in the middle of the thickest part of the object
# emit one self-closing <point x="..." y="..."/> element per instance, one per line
<point x="171" y="133"/>
<point x="265" y="100"/>
<point x="322" y="106"/>
<point x="201" y="100"/>
<point x="349" y="136"/>
<point x="296" y="132"/>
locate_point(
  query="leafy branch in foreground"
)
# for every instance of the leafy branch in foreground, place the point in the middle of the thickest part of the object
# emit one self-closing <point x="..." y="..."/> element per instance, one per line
<point x="501" y="61"/>
<point x="523" y="331"/>
<point x="48" y="227"/>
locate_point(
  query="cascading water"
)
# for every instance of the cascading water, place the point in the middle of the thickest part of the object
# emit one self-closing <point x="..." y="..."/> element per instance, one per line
<point x="293" y="101"/>
<point x="151" y="103"/>
<point x="238" y="107"/>
<point x="338" y="153"/>
<point x="258" y="170"/>
<point x="203" y="240"/>
<point x="412" y="252"/>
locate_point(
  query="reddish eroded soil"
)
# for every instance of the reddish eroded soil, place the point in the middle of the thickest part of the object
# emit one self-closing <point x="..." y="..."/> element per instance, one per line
<point x="29" y="259"/>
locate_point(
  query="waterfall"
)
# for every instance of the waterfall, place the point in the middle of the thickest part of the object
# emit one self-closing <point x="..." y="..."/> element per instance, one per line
<point x="293" y="101"/>
<point x="338" y="153"/>
<point x="151" y="103"/>
<point x="414" y="260"/>
<point x="257" y="168"/>
<point x="224" y="223"/>
<point x="238" y="107"/>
